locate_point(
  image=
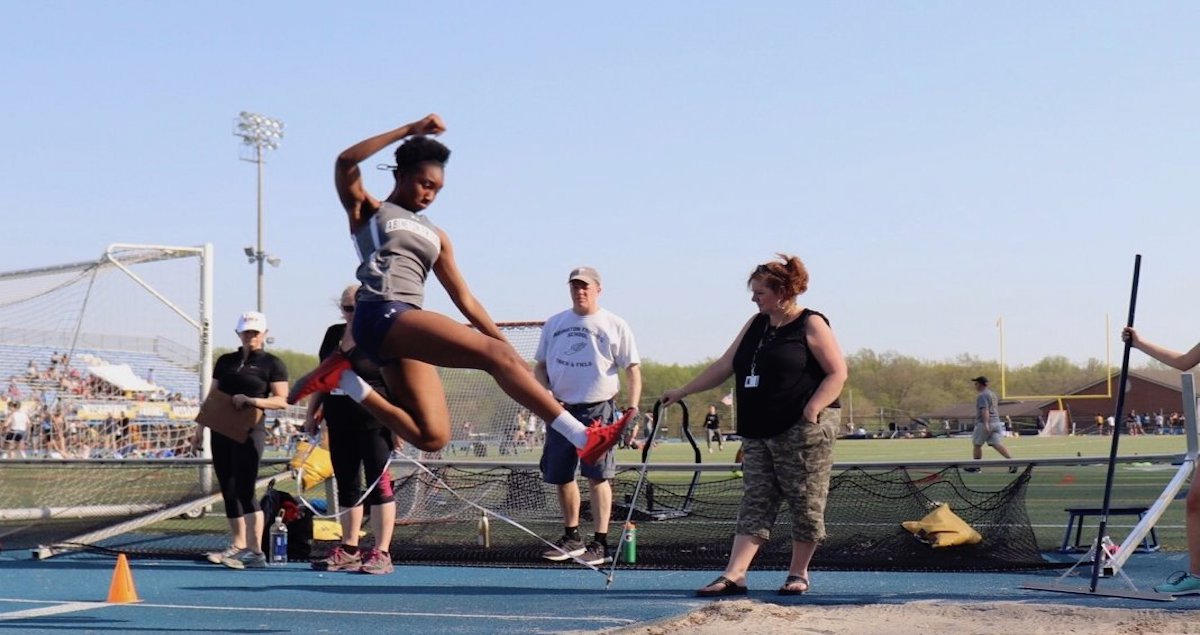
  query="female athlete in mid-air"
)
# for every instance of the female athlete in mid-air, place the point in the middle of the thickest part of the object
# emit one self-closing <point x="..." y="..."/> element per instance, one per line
<point x="397" y="247"/>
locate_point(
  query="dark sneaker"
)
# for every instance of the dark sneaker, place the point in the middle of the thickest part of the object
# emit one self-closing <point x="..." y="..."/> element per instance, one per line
<point x="378" y="563"/>
<point x="602" y="438"/>
<point x="1012" y="469"/>
<point x="565" y="549"/>
<point x="971" y="469"/>
<point x="323" y="378"/>
<point x="339" y="560"/>
<point x="595" y="554"/>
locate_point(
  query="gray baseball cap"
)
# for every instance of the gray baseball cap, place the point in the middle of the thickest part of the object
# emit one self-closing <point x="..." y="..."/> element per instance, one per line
<point x="585" y="274"/>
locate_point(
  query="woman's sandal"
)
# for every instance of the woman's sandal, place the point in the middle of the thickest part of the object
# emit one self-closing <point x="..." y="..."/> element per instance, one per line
<point x="726" y="587"/>
<point x="794" y="579"/>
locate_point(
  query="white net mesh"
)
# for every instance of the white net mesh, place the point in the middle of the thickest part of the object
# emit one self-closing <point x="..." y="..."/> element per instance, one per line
<point x="139" y="501"/>
<point x="484" y="421"/>
<point x="102" y="365"/>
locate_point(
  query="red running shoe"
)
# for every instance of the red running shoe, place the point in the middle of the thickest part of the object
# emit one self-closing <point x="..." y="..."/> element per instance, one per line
<point x="602" y="438"/>
<point x="323" y="378"/>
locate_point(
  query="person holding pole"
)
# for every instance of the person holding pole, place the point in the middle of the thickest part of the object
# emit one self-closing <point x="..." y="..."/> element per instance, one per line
<point x="1183" y="582"/>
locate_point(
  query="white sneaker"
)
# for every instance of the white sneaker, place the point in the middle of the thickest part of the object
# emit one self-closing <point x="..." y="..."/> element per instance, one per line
<point x="245" y="559"/>
<point x="216" y="557"/>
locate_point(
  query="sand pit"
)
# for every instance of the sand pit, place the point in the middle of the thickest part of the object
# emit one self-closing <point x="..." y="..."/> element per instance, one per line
<point x="920" y="618"/>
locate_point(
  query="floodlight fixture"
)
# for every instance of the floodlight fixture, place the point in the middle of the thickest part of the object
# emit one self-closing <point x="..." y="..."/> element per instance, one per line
<point x="261" y="133"/>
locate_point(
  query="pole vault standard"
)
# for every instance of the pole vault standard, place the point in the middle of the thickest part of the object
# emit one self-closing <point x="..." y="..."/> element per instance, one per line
<point x="1102" y="533"/>
<point x="1100" y="551"/>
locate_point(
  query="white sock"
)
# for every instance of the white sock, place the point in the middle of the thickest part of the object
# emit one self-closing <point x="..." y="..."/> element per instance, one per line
<point x="568" y="426"/>
<point x="354" y="386"/>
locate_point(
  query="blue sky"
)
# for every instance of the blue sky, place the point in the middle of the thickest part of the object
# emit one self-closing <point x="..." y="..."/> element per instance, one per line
<point x="937" y="165"/>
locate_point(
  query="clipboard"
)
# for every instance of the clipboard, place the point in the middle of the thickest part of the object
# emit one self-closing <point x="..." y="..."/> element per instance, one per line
<point x="217" y="412"/>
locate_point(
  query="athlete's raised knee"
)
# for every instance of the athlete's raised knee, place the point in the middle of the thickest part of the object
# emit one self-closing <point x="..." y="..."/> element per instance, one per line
<point x="502" y="358"/>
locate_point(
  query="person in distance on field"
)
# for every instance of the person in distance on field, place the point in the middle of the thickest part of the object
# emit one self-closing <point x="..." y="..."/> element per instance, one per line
<point x="712" y="430"/>
<point x="989" y="428"/>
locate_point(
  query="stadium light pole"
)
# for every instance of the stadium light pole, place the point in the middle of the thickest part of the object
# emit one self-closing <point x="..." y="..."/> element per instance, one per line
<point x="260" y="133"/>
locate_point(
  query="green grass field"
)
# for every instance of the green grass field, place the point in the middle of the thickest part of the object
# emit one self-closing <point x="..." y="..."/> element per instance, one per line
<point x="895" y="450"/>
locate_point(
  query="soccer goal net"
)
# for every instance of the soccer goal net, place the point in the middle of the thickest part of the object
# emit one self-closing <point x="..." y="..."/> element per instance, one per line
<point x="485" y="421"/>
<point x="106" y="359"/>
<point x="157" y="506"/>
<point x="1056" y="424"/>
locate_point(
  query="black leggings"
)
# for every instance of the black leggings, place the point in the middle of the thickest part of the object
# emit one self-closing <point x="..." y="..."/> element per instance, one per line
<point x="354" y="448"/>
<point x="236" y="465"/>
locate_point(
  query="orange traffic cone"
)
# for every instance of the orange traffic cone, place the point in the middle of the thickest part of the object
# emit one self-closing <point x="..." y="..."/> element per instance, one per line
<point x="121" y="590"/>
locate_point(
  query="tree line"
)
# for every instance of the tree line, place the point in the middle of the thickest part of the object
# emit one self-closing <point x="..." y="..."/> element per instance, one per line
<point x="898" y="386"/>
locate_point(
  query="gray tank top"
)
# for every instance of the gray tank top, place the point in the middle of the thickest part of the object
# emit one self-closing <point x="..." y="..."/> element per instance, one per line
<point x="396" y="249"/>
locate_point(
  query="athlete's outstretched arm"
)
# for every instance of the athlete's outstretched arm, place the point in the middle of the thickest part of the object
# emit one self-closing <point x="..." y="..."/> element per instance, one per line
<point x="347" y="177"/>
<point x="446" y="270"/>
<point x="710" y="377"/>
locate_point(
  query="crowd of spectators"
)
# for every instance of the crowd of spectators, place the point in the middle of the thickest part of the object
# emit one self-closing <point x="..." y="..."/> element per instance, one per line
<point x="64" y="404"/>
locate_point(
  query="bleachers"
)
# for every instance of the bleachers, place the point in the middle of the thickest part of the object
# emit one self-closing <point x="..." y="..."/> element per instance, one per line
<point x="14" y="361"/>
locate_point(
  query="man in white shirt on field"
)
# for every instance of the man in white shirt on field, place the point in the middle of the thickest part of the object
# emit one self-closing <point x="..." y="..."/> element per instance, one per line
<point x="579" y="357"/>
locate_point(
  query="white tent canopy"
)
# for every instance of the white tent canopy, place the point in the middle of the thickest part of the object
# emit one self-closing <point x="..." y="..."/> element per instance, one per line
<point x="122" y="376"/>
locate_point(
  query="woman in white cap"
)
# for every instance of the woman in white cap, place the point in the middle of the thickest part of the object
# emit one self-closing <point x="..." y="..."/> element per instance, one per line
<point x="398" y="246"/>
<point x="254" y="378"/>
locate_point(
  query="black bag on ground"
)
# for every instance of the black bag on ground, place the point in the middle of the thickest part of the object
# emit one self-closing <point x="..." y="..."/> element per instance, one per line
<point x="297" y="517"/>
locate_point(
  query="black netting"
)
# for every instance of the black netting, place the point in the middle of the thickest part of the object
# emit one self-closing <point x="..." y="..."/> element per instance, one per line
<point x="685" y="520"/>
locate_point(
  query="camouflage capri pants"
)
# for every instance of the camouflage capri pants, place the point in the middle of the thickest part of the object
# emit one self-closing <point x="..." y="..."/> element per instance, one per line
<point x="792" y="466"/>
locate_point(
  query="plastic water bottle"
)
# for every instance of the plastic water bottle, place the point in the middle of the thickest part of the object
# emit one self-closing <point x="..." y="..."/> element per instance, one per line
<point x="484" y="531"/>
<point x="628" y="552"/>
<point x="279" y="543"/>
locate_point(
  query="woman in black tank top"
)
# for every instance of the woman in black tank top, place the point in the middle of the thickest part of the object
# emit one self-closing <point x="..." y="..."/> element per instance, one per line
<point x="415" y="342"/>
<point x="788" y="372"/>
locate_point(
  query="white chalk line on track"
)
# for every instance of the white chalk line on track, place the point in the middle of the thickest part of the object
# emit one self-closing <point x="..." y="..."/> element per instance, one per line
<point x="68" y="607"/>
<point x="56" y="608"/>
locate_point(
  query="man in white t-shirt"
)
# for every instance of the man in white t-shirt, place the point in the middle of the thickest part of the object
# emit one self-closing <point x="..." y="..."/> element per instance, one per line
<point x="579" y="358"/>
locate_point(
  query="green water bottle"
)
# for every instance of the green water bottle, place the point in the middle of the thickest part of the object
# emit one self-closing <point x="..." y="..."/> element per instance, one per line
<point x="628" y="552"/>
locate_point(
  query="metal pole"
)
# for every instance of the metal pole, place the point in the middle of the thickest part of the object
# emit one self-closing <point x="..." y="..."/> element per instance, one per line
<point x="1099" y="555"/>
<point x="258" y="254"/>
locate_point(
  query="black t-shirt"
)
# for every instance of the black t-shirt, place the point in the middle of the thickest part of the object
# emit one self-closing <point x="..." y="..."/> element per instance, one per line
<point x="787" y="376"/>
<point x="712" y="421"/>
<point x="253" y="377"/>
<point x="340" y="409"/>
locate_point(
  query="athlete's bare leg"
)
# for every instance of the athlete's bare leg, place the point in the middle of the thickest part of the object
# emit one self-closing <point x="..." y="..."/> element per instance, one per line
<point x="419" y="341"/>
